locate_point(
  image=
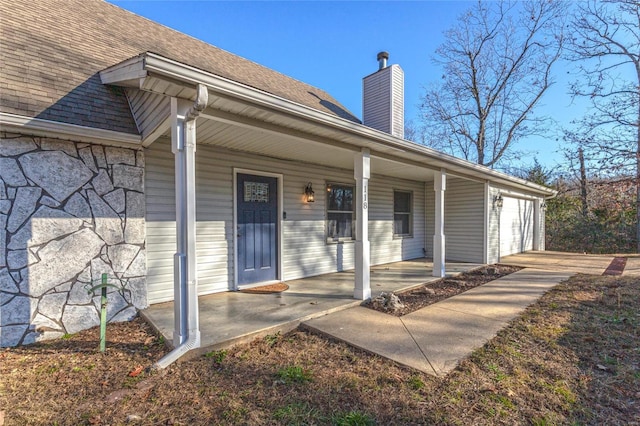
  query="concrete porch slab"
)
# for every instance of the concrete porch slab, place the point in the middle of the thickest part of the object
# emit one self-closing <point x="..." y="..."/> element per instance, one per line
<point x="232" y="317"/>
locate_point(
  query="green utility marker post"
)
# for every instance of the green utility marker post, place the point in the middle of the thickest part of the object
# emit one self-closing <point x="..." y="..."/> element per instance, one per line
<point x="103" y="314"/>
<point x="103" y="309"/>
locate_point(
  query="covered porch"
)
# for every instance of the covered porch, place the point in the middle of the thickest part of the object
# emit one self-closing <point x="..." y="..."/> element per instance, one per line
<point x="251" y="142"/>
<point x="234" y="317"/>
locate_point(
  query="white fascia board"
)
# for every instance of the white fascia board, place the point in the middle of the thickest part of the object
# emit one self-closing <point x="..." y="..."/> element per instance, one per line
<point x="180" y="72"/>
<point x="38" y="127"/>
<point x="129" y="73"/>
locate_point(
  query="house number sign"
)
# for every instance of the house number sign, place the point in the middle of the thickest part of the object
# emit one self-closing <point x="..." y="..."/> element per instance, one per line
<point x="365" y="188"/>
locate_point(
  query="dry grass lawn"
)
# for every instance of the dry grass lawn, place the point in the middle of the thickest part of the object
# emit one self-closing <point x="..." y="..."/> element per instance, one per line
<point x="572" y="358"/>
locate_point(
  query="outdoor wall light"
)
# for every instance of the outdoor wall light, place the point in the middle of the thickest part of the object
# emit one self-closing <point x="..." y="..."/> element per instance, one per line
<point x="543" y="205"/>
<point x="498" y="201"/>
<point x="309" y="195"/>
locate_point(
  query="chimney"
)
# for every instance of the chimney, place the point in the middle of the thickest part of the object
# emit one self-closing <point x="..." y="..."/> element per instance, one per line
<point x="382" y="59"/>
<point x="383" y="98"/>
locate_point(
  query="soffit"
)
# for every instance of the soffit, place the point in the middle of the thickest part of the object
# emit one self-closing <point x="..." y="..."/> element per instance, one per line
<point x="277" y="128"/>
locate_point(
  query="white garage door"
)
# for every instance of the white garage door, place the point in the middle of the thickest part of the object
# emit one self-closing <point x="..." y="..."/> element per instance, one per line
<point x="516" y="226"/>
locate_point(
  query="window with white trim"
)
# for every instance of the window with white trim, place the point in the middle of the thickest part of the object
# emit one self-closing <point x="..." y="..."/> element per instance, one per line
<point x="402" y="213"/>
<point x="340" y="212"/>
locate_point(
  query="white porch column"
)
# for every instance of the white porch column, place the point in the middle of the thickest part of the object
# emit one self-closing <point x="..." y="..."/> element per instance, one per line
<point x="537" y="210"/>
<point x="361" y="172"/>
<point x="183" y="146"/>
<point x="439" y="186"/>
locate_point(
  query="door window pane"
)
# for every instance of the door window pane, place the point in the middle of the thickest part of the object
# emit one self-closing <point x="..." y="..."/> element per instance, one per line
<point x="256" y="192"/>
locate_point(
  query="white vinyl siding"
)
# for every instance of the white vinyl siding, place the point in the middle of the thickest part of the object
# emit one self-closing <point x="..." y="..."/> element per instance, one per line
<point x="384" y="247"/>
<point x="493" y="243"/>
<point x="383" y="100"/>
<point x="148" y="109"/>
<point x="376" y="108"/>
<point x="397" y="102"/>
<point x="305" y="251"/>
<point x="541" y="228"/>
<point x="214" y="213"/>
<point x="464" y="220"/>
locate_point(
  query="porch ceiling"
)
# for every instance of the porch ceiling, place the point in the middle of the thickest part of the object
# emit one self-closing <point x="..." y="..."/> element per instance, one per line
<point x="299" y="148"/>
<point x="217" y="128"/>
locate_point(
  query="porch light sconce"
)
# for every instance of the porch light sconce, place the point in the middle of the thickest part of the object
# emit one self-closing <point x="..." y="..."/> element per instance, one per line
<point x="498" y="201"/>
<point x="543" y="205"/>
<point x="309" y="195"/>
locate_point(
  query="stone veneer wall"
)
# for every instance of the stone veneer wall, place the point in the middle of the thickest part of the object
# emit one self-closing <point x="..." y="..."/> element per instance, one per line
<point x="68" y="213"/>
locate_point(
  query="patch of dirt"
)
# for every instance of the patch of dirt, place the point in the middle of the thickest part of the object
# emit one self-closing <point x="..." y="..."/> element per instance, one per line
<point x="571" y="358"/>
<point x="444" y="288"/>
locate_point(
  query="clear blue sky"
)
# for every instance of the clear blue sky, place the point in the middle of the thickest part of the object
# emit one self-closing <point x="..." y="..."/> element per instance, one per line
<point x="332" y="45"/>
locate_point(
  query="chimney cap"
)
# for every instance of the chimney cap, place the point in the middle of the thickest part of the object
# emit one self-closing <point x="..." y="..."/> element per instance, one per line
<point x="383" y="55"/>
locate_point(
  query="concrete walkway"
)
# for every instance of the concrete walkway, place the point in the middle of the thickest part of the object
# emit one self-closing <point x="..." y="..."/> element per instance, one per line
<point x="435" y="338"/>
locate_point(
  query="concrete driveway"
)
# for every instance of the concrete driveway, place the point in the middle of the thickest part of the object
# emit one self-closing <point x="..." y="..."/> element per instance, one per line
<point x="594" y="264"/>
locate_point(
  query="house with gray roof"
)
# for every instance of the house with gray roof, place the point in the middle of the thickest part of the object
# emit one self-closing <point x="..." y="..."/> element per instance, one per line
<point x="180" y="169"/>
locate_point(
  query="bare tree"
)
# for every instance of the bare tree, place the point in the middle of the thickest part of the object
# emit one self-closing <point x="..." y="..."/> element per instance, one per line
<point x="497" y="63"/>
<point x="606" y="40"/>
<point x="413" y="132"/>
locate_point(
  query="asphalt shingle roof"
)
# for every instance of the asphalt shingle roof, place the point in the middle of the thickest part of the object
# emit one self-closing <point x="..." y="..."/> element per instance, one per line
<point x="51" y="52"/>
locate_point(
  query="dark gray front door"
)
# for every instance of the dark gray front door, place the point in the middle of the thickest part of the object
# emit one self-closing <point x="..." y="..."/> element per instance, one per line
<point x="257" y="228"/>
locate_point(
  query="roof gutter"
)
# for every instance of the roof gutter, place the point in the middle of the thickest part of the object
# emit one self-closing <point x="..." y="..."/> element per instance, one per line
<point x="55" y="129"/>
<point x="180" y="72"/>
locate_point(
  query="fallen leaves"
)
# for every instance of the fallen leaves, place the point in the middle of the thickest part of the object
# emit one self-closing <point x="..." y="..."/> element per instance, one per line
<point x="136" y="371"/>
<point x="587" y="375"/>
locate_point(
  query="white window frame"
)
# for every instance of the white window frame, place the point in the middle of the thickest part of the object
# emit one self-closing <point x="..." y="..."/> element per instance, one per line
<point x="409" y="213"/>
<point x="332" y="240"/>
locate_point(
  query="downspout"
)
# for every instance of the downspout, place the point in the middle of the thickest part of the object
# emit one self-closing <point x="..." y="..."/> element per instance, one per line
<point x="187" y="329"/>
